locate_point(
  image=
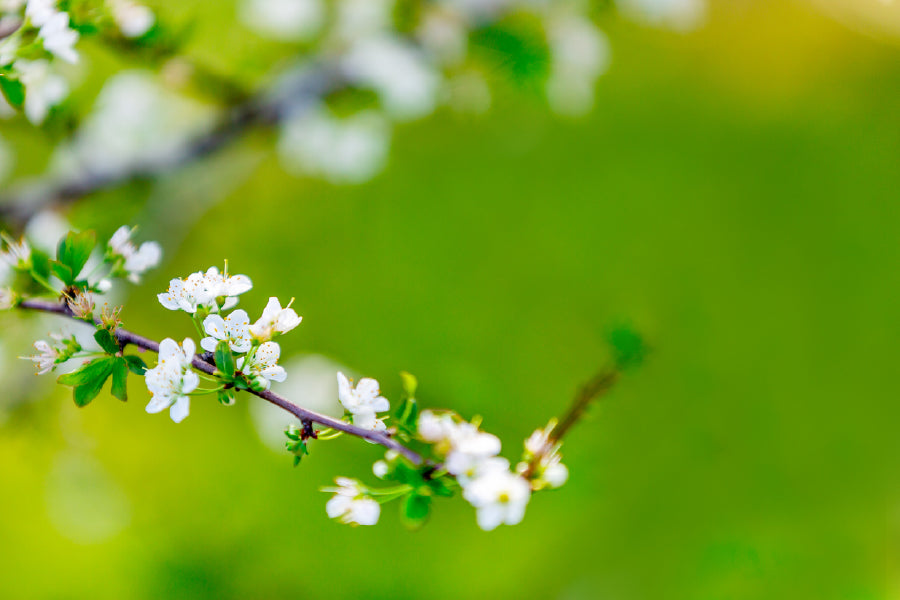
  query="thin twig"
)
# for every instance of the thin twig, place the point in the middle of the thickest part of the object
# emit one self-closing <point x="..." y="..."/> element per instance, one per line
<point x="588" y="393"/>
<point x="264" y="109"/>
<point x="126" y="337"/>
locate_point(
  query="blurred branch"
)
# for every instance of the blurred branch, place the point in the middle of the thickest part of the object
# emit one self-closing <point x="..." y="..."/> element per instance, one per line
<point x="601" y="383"/>
<point x="306" y="416"/>
<point x="264" y="109"/>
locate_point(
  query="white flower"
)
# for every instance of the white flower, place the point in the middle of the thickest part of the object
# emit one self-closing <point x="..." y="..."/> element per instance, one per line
<point x="274" y="320"/>
<point x="380" y="468"/>
<point x="264" y="365"/>
<point x="17" y="254"/>
<point x="350" y="505"/>
<point x="235" y="328"/>
<point x="401" y="75"/>
<point x="59" y="38"/>
<point x="45" y="359"/>
<point x="284" y="19"/>
<point x="469" y="446"/>
<point x="172" y="379"/>
<point x="463" y="444"/>
<point x="499" y="497"/>
<point x="363" y="402"/>
<point x="203" y="290"/>
<point x="680" y="15"/>
<point x="343" y="150"/>
<point x="40" y="11"/>
<point x="580" y="54"/>
<point x="43" y="89"/>
<point x="137" y="260"/>
<point x="7" y="298"/>
<point x="542" y="460"/>
<point x="133" y="19"/>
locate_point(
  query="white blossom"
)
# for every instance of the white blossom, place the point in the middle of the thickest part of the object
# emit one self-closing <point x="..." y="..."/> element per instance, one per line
<point x="133" y="19"/>
<point x="43" y="88"/>
<point x="46" y="358"/>
<point x="401" y="75"/>
<point x="463" y="444"/>
<point x="359" y="18"/>
<point x="8" y="298"/>
<point x="59" y="38"/>
<point x="136" y="260"/>
<point x="580" y="54"/>
<point x="203" y="290"/>
<point x="343" y="150"/>
<point x="363" y="402"/>
<point x="274" y="320"/>
<point x="235" y="329"/>
<point x="469" y="446"/>
<point x="679" y="15"/>
<point x="350" y="505"/>
<point x="40" y="11"/>
<point x="499" y="497"/>
<point x="172" y="379"/>
<point x="380" y="469"/>
<point x="542" y="460"/>
<point x="284" y="19"/>
<point x="17" y="254"/>
<point x="263" y="365"/>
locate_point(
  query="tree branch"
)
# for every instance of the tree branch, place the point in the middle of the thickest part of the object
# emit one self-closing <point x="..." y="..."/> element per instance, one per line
<point x="589" y="392"/>
<point x="264" y="109"/>
<point x="305" y="415"/>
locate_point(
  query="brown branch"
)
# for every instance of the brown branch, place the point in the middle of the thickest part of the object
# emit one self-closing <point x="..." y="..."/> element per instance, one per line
<point x="305" y="415"/>
<point x="264" y="109"/>
<point x="588" y="393"/>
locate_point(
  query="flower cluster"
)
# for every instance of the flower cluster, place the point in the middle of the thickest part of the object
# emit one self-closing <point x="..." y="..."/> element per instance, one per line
<point x="45" y="32"/>
<point x="245" y="354"/>
<point x="208" y="292"/>
<point x="431" y="453"/>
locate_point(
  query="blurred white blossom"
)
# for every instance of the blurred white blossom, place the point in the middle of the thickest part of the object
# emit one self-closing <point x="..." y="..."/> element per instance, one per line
<point x="347" y="150"/>
<point x="59" y="39"/>
<point x="579" y="55"/>
<point x="44" y="89"/>
<point x="350" y="505"/>
<point x="397" y="71"/>
<point x="284" y="19"/>
<point x="679" y="15"/>
<point x="133" y="19"/>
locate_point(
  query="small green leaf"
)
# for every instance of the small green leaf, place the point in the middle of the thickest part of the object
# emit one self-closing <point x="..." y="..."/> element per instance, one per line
<point x="226" y="397"/>
<point x="95" y="369"/>
<point x="119" y="379"/>
<point x="224" y="359"/>
<point x="410" y="383"/>
<point x="439" y="488"/>
<point x="89" y="380"/>
<point x="63" y="272"/>
<point x="12" y="90"/>
<point x="414" y="510"/>
<point x="107" y="341"/>
<point x="75" y="249"/>
<point x="136" y="364"/>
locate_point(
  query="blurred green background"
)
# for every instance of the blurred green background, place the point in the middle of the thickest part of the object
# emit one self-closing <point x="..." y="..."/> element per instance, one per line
<point x="733" y="196"/>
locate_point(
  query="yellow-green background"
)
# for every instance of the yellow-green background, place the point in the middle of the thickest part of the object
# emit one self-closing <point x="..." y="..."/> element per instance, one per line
<point x="733" y="196"/>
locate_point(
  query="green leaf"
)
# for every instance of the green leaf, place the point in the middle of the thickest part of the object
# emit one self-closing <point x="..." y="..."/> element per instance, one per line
<point x="414" y="510"/>
<point x="75" y="249"/>
<point x="224" y="359"/>
<point x="40" y="263"/>
<point x="136" y="364"/>
<point x="628" y="347"/>
<point x="107" y="341"/>
<point x="225" y="397"/>
<point x="13" y="90"/>
<point x="119" y="379"/>
<point x="63" y="272"/>
<point x="517" y="46"/>
<point x="92" y="371"/>
<point x="410" y="383"/>
<point x="89" y="379"/>
<point x="439" y="488"/>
